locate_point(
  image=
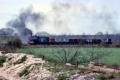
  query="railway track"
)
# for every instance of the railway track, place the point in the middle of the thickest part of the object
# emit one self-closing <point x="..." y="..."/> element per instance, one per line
<point x="66" y="46"/>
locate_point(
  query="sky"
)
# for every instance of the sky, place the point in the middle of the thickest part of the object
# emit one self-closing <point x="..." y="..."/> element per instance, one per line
<point x="11" y="8"/>
<point x="67" y="16"/>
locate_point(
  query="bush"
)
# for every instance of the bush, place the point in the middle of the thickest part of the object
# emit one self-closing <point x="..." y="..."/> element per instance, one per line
<point x="62" y="77"/>
<point x="2" y="60"/>
<point x="101" y="77"/>
<point x="6" y="49"/>
<point x="16" y="43"/>
<point x="108" y="76"/>
<point x="78" y="57"/>
<point x="116" y="44"/>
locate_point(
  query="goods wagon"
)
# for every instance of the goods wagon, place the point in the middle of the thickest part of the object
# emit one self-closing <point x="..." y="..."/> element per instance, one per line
<point x="33" y="40"/>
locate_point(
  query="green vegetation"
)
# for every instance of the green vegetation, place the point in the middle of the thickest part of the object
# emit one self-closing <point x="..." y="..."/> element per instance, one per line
<point x="109" y="76"/>
<point x="9" y="59"/>
<point x="101" y="77"/>
<point x="104" y="55"/>
<point x="62" y="77"/>
<point x="57" y="57"/>
<point x="57" y="67"/>
<point x="2" y="60"/>
<point x="23" y="59"/>
<point x="6" y="39"/>
<point x="25" y="72"/>
<point x="15" y="43"/>
<point x="9" y="43"/>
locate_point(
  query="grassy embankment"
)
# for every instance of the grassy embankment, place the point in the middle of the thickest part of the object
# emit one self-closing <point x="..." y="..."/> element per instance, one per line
<point x="104" y="55"/>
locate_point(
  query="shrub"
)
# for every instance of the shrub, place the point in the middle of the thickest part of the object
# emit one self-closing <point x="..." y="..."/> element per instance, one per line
<point x="116" y="44"/>
<point x="101" y="77"/>
<point x="78" y="57"/>
<point x="16" y="43"/>
<point x="108" y="76"/>
<point x="62" y="77"/>
<point x="2" y="60"/>
<point x="6" y="49"/>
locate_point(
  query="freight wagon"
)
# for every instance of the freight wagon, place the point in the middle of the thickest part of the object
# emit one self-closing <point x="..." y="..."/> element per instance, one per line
<point x="33" y="40"/>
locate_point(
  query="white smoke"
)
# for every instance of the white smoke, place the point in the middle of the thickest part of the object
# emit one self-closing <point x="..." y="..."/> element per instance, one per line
<point x="21" y="24"/>
<point x="77" y="17"/>
<point x="69" y="17"/>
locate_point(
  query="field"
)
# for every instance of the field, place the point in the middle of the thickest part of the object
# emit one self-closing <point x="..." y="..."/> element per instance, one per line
<point x="74" y="55"/>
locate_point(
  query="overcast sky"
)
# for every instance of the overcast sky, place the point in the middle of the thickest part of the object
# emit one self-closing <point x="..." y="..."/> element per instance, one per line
<point x="11" y="8"/>
<point x="81" y="16"/>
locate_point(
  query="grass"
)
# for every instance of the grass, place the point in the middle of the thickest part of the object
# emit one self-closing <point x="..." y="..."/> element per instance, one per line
<point x="111" y="55"/>
<point x="2" y="60"/>
<point x="62" y="77"/>
<point x="25" y="72"/>
<point x="57" y="67"/>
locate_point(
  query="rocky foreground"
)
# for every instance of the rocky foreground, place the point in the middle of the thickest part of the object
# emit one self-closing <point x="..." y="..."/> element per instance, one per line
<point x="12" y="68"/>
<point x="21" y="66"/>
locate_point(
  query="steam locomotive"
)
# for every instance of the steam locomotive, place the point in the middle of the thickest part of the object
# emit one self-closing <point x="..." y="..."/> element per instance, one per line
<point x="37" y="40"/>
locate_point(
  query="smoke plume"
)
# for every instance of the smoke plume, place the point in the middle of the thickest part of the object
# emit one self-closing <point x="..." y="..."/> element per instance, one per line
<point x="20" y="24"/>
<point x="67" y="17"/>
<point x="77" y="17"/>
<point x="6" y="32"/>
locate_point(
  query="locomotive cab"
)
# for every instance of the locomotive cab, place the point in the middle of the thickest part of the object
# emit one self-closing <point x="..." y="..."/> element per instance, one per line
<point x="33" y="40"/>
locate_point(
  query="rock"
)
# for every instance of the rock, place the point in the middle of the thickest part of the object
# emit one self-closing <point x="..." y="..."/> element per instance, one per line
<point x="68" y="64"/>
<point x="87" y="76"/>
<point x="11" y="71"/>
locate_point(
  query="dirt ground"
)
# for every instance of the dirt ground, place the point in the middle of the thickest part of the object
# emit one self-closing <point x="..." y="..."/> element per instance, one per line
<point x="10" y="70"/>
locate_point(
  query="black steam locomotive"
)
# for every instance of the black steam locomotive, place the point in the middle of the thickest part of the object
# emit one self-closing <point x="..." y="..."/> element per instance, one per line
<point x="34" y="40"/>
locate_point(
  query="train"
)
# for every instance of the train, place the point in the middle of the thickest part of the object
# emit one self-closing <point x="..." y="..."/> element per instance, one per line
<point x="43" y="40"/>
